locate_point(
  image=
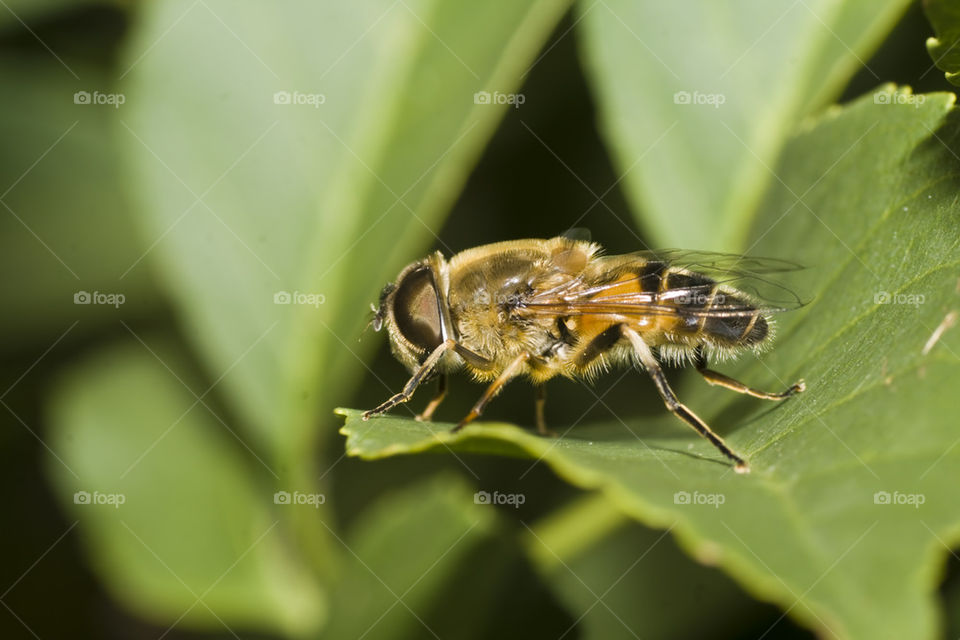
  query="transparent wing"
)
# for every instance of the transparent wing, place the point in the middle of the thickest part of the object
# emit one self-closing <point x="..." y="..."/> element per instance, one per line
<point x="709" y="261"/>
<point x="577" y="233"/>
<point x="746" y="285"/>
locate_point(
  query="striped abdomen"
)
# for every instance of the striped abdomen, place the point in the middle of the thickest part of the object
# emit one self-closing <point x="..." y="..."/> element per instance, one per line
<point x="667" y="306"/>
<point x="704" y="307"/>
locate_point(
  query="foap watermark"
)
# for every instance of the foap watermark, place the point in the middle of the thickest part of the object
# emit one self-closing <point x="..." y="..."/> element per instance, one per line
<point x="112" y="499"/>
<point x="694" y="298"/>
<point x="112" y="99"/>
<point x="296" y="97"/>
<point x="299" y="297"/>
<point x="485" y="97"/>
<point x="298" y="497"/>
<point x="899" y="97"/>
<point x="911" y="499"/>
<point x="696" y="498"/>
<point x="99" y="297"/>
<point x="712" y="99"/>
<point x="512" y="499"/>
<point x="911" y="299"/>
<point x="500" y="299"/>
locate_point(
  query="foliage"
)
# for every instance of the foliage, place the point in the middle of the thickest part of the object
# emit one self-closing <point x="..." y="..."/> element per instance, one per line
<point x="270" y="167"/>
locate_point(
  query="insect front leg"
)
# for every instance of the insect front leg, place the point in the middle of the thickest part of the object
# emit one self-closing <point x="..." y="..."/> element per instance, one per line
<point x="421" y="374"/>
<point x="652" y="367"/>
<point x="427" y="414"/>
<point x="509" y="372"/>
<point x="717" y="378"/>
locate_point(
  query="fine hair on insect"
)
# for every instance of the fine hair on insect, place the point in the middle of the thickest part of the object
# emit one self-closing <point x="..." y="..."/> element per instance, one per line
<point x="543" y="308"/>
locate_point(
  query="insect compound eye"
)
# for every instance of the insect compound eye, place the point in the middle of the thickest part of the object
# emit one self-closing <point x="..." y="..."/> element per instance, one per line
<point x="416" y="309"/>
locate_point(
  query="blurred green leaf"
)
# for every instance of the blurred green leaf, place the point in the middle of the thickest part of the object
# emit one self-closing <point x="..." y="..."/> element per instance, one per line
<point x="944" y="15"/>
<point x="310" y="151"/>
<point x="193" y="540"/>
<point x="868" y="199"/>
<point x="427" y="560"/>
<point x="634" y="582"/>
<point x="697" y="99"/>
<point x="65" y="225"/>
<point x="400" y="555"/>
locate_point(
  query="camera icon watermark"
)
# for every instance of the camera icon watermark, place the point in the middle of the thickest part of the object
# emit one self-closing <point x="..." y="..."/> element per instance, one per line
<point x="298" y="297"/>
<point x="896" y="498"/>
<point x="112" y="499"/>
<point x="297" y="98"/>
<point x="112" y="99"/>
<point x="97" y="297"/>
<point x="512" y="499"/>
<point x="299" y="498"/>
<point x="697" y="498"/>
<point x="485" y="97"/>
<point x="698" y="98"/>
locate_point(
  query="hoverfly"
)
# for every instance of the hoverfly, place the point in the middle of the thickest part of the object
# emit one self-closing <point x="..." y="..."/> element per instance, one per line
<point x="557" y="307"/>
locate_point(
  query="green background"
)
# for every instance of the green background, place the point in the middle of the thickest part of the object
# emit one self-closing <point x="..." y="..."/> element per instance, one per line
<point x="201" y="197"/>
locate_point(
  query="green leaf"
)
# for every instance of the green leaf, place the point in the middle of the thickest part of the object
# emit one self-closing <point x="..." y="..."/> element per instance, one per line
<point x="177" y="525"/>
<point x="633" y="581"/>
<point x="401" y="554"/>
<point x="944" y="15"/>
<point x="868" y="200"/>
<point x="307" y="153"/>
<point x="77" y="237"/>
<point x="430" y="560"/>
<point x="697" y="99"/>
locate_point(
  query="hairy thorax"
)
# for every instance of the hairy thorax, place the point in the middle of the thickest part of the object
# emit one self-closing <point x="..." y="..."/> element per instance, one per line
<point x="487" y="300"/>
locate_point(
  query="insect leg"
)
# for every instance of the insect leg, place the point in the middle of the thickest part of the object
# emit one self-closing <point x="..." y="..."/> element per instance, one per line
<point x="652" y="367"/>
<point x="716" y="378"/>
<point x="509" y="372"/>
<point x="437" y="399"/>
<point x="471" y="358"/>
<point x="414" y="382"/>
<point x="599" y="345"/>
<point x="540" y="402"/>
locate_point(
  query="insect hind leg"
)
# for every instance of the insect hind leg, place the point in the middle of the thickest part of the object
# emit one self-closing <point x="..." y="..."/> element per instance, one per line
<point x="676" y="407"/>
<point x="718" y="379"/>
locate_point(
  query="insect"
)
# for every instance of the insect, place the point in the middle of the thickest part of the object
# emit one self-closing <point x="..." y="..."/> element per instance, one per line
<point x="558" y="307"/>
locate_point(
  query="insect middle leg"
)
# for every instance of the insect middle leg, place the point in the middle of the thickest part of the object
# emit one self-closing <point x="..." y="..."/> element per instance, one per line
<point x="540" y="402"/>
<point x="505" y="376"/>
<point x="427" y="413"/>
<point x="680" y="410"/>
<point x="719" y="379"/>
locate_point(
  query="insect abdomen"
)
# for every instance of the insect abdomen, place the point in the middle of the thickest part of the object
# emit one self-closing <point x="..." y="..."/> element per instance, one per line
<point x="740" y="331"/>
<point x="700" y="296"/>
